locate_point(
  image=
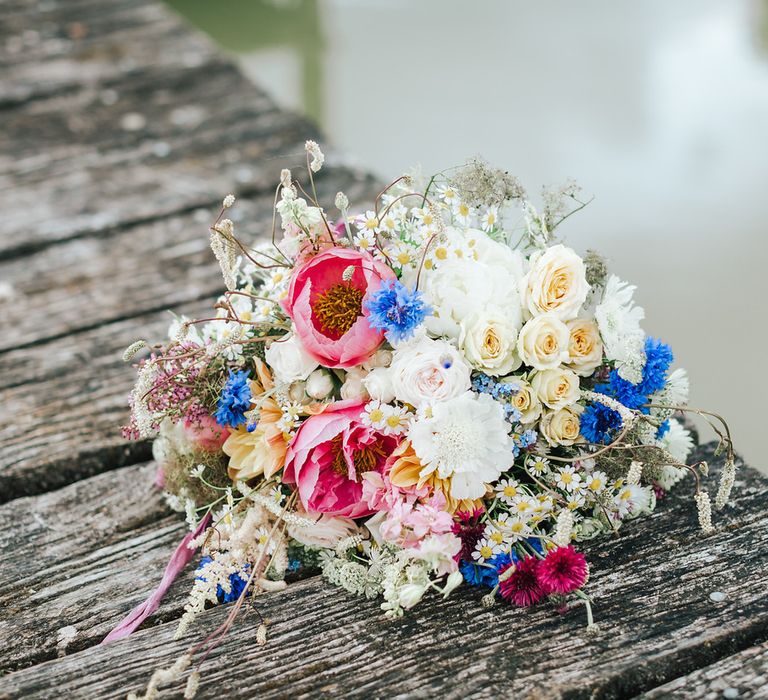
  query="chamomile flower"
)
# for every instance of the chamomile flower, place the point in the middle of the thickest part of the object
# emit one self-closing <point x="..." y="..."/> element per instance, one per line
<point x="507" y="490"/>
<point x="596" y="482"/>
<point x="390" y="222"/>
<point x="424" y="216"/>
<point x="523" y="506"/>
<point x="494" y="534"/>
<point x="463" y="214"/>
<point x="369" y="223"/>
<point x="538" y="466"/>
<point x="631" y="499"/>
<point x="401" y="254"/>
<point x="489" y="219"/>
<point x="276" y="280"/>
<point x="365" y="240"/>
<point x="485" y="549"/>
<point x="448" y="194"/>
<point x="567" y="479"/>
<point x="374" y="415"/>
<point x="515" y="529"/>
<point x="575" y="501"/>
<point x="263" y="539"/>
<point x="395" y="419"/>
<point x="276" y="495"/>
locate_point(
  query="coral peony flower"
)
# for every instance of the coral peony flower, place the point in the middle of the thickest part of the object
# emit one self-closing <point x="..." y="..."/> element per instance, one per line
<point x="563" y="570"/>
<point x="326" y="299"/>
<point x="328" y="456"/>
<point x="523" y="586"/>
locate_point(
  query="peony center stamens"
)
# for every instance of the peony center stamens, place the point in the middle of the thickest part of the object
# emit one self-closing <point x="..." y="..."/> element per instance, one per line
<point x="365" y="459"/>
<point x="337" y="309"/>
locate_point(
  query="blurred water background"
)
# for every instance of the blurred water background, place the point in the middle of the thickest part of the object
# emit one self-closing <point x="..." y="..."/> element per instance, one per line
<point x="658" y="109"/>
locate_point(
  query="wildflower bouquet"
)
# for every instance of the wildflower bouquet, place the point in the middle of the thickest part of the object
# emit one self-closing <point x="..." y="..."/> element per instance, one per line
<point x="410" y="398"/>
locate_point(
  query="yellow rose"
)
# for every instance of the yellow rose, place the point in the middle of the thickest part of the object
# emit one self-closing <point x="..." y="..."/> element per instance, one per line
<point x="525" y="400"/>
<point x="543" y="342"/>
<point x="562" y="427"/>
<point x="585" y="349"/>
<point x="556" y="283"/>
<point x="556" y="388"/>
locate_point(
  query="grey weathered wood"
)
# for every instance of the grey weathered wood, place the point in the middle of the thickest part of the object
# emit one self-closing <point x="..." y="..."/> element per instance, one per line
<point x="746" y="673"/>
<point x="76" y="559"/>
<point x="651" y="588"/>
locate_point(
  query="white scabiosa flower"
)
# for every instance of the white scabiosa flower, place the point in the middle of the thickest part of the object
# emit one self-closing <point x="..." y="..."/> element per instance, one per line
<point x="466" y="440"/>
<point x="619" y="319"/>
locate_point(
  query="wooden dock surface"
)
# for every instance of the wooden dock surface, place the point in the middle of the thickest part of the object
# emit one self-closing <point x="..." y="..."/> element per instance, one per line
<point x="122" y="129"/>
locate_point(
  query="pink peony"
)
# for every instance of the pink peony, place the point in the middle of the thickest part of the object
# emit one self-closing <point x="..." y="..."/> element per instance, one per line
<point x="563" y="570"/>
<point x="328" y="457"/>
<point x="326" y="299"/>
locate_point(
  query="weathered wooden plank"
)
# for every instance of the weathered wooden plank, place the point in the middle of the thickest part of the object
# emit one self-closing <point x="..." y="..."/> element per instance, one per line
<point x="75" y="559"/>
<point x="743" y="675"/>
<point x="161" y="264"/>
<point x="51" y="47"/>
<point x="187" y="152"/>
<point x="63" y="404"/>
<point x="651" y="587"/>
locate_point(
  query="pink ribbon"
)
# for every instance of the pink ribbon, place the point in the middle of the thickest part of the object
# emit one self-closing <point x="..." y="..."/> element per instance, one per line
<point x="180" y="558"/>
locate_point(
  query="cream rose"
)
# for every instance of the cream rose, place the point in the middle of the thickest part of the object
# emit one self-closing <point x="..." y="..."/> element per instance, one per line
<point x="556" y="283"/>
<point x="556" y="388"/>
<point x="562" y="427"/>
<point x="354" y="385"/>
<point x="585" y="349"/>
<point x="428" y="370"/>
<point x="543" y="342"/>
<point x="488" y="341"/>
<point x="289" y="361"/>
<point x="378" y="384"/>
<point x="524" y="400"/>
<point x="319" y="384"/>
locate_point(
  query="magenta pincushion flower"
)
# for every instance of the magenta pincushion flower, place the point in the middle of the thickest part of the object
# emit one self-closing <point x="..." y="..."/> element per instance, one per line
<point x="563" y="570"/>
<point x="328" y="456"/>
<point x="523" y="586"/>
<point x="326" y="301"/>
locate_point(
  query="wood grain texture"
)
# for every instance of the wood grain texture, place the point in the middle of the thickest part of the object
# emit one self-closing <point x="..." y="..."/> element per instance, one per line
<point x="75" y="560"/>
<point x="743" y="675"/>
<point x="651" y="587"/>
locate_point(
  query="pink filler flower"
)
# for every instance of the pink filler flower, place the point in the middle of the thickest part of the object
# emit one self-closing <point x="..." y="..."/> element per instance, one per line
<point x="328" y="457"/>
<point x="326" y="299"/>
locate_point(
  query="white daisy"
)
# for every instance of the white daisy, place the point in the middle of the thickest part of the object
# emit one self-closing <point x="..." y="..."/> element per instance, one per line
<point x="374" y="415"/>
<point x="567" y="479"/>
<point x="368" y="223"/>
<point x="485" y="549"/>
<point x="507" y="490"/>
<point x="395" y="419"/>
<point x="596" y="482"/>
<point x="489" y="219"/>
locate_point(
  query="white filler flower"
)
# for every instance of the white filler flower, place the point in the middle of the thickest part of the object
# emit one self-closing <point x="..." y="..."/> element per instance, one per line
<point x="465" y="439"/>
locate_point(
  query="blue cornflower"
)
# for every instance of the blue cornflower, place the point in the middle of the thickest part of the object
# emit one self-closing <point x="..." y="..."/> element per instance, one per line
<point x="234" y="401"/>
<point x="485" y="574"/>
<point x="658" y="358"/>
<point x="598" y="422"/>
<point x="397" y="310"/>
<point x="663" y="430"/>
<point x="236" y="583"/>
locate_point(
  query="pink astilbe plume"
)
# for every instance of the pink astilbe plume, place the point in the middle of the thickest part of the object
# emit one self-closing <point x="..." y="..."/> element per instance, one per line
<point x="563" y="570"/>
<point x="523" y="586"/>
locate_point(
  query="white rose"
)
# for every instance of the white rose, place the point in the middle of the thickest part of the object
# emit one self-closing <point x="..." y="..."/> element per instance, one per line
<point x="289" y="361"/>
<point x="585" y="349"/>
<point x="556" y="388"/>
<point x="459" y="288"/>
<point x="319" y="384"/>
<point x="543" y="342"/>
<point x="353" y="387"/>
<point x="491" y="252"/>
<point x="524" y="400"/>
<point x="428" y="370"/>
<point x="556" y="283"/>
<point x="381" y="358"/>
<point x="562" y="427"/>
<point x="488" y="341"/>
<point x="378" y="384"/>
